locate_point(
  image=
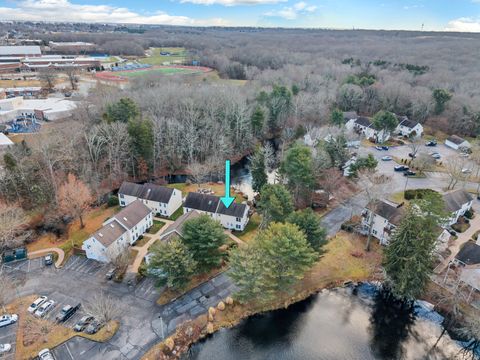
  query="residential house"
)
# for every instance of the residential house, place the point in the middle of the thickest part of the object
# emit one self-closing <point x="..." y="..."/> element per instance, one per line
<point x="363" y="126"/>
<point x="457" y="143"/>
<point x="176" y="229"/>
<point x="382" y="218"/>
<point x="163" y="201"/>
<point x="457" y="203"/>
<point x="469" y="254"/>
<point x="118" y="232"/>
<point x="349" y="116"/>
<point x="235" y="217"/>
<point x="408" y="128"/>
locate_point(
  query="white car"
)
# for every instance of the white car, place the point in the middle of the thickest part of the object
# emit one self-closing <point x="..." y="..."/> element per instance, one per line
<point x="45" y="354"/>
<point x="6" y="320"/>
<point x="5" y="348"/>
<point x="44" y="308"/>
<point x="466" y="171"/>
<point x="387" y="158"/>
<point x="34" y="306"/>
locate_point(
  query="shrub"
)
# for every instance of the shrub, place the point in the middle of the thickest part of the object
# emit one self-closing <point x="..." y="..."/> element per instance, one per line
<point x="418" y="193"/>
<point x="112" y="201"/>
<point x="469" y="214"/>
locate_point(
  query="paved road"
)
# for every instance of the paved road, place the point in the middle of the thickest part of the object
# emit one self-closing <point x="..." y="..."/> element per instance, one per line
<point x="143" y="322"/>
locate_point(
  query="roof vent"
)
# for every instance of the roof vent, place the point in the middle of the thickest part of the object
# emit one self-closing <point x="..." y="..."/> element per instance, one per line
<point x="124" y="218"/>
<point x="101" y="235"/>
<point x="113" y="226"/>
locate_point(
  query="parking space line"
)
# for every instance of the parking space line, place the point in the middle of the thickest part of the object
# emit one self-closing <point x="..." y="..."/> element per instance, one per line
<point x="69" y="353"/>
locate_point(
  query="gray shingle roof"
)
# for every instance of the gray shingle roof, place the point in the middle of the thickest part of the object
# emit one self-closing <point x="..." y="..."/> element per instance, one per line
<point x="109" y="233"/>
<point x="393" y="214"/>
<point x="147" y="191"/>
<point x="469" y="254"/>
<point x="349" y="115"/>
<point x="363" y="121"/>
<point x="408" y="123"/>
<point x="132" y="214"/>
<point x="236" y="210"/>
<point x="201" y="202"/>
<point x="177" y="226"/>
<point x="456" y="199"/>
<point x="455" y="139"/>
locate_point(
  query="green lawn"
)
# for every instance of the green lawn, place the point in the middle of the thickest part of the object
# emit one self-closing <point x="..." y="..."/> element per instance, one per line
<point x="177" y="214"/>
<point x="157" y="225"/>
<point x="165" y="71"/>
<point x="177" y="55"/>
<point x="251" y="229"/>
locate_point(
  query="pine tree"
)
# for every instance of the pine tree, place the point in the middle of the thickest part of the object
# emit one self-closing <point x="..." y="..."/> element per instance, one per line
<point x="258" y="169"/>
<point x="275" y="203"/>
<point x="258" y="121"/>
<point x="336" y="118"/>
<point x="203" y="236"/>
<point x="309" y="223"/>
<point x="172" y="264"/>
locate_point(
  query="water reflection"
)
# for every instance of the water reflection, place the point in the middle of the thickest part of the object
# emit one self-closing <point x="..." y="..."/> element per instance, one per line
<point x="332" y="325"/>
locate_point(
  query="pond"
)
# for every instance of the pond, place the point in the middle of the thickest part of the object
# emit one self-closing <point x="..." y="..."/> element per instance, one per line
<point x="353" y="323"/>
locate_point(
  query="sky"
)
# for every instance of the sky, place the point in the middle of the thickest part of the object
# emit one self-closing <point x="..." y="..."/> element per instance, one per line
<point x="436" y="15"/>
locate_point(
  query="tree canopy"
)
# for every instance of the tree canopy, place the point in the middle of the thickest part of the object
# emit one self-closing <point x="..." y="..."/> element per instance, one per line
<point x="309" y="223"/>
<point x="275" y="203"/>
<point x="258" y="169"/>
<point x="386" y="121"/>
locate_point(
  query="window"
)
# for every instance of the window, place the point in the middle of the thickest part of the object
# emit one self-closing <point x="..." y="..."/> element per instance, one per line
<point x="238" y="219"/>
<point x="88" y="246"/>
<point x="164" y="205"/>
<point x="122" y="203"/>
<point x="238" y="226"/>
<point x="374" y="232"/>
<point x="121" y="196"/>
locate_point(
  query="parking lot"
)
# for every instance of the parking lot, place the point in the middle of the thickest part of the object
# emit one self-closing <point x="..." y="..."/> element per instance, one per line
<point x="8" y="336"/>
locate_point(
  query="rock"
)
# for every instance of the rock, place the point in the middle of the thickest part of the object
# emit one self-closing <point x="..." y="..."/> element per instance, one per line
<point x="210" y="317"/>
<point x="211" y="311"/>
<point x="221" y="306"/>
<point x="210" y="328"/>
<point x="229" y="300"/>
<point x="170" y="344"/>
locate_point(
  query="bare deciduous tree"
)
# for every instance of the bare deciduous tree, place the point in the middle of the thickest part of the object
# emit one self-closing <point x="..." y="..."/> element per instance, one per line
<point x="103" y="307"/>
<point x="72" y="74"/>
<point x="12" y="222"/>
<point x="455" y="167"/>
<point x="119" y="256"/>
<point x="48" y="76"/>
<point x="74" y="198"/>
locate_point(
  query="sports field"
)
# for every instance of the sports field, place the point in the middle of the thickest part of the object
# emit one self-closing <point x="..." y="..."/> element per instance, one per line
<point x="165" y="70"/>
<point x="176" y="55"/>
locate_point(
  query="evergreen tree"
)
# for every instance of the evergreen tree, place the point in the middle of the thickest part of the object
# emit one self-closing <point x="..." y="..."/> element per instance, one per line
<point x="441" y="97"/>
<point x="124" y="110"/>
<point x="141" y="139"/>
<point x="408" y="260"/>
<point x="337" y="150"/>
<point x="309" y="223"/>
<point x="297" y="168"/>
<point x="367" y="162"/>
<point x="278" y="258"/>
<point x="279" y="106"/>
<point x="384" y="121"/>
<point x="275" y="203"/>
<point x="336" y="118"/>
<point x="203" y="236"/>
<point x="258" y="121"/>
<point x="172" y="264"/>
<point x="258" y="169"/>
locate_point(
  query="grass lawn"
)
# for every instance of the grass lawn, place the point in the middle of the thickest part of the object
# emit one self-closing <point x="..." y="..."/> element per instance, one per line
<point x="397" y="197"/>
<point x="165" y="71"/>
<point x="218" y="189"/>
<point x="177" y="214"/>
<point x="143" y="241"/>
<point x="157" y="225"/>
<point x="35" y="334"/>
<point x="170" y="294"/>
<point x="251" y="229"/>
<point x="133" y="255"/>
<point x="177" y="54"/>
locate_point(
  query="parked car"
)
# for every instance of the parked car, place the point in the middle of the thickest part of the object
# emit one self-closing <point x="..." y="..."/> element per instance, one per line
<point x="385" y="148"/>
<point x="48" y="259"/>
<point x="412" y="155"/>
<point x="67" y="312"/>
<point x="400" y="168"/>
<point x="93" y="327"/>
<point x="409" y="173"/>
<point x="464" y="155"/>
<point x="7" y="319"/>
<point x="466" y="171"/>
<point x="45" y="354"/>
<point x="45" y="308"/>
<point x="5" y="348"/>
<point x="110" y="274"/>
<point x="34" y="306"/>
<point x="436" y="156"/>
<point x="83" y="323"/>
<point x="387" y="158"/>
<point x="431" y="143"/>
<point x="379" y="148"/>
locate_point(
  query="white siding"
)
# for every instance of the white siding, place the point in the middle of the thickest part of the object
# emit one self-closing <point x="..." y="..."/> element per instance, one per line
<point x="451" y="144"/>
<point x="95" y="250"/>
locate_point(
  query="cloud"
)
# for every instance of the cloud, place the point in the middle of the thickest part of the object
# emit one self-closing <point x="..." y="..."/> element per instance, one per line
<point x="64" y="10"/>
<point x="463" y="24"/>
<point x="292" y="12"/>
<point x="232" y="2"/>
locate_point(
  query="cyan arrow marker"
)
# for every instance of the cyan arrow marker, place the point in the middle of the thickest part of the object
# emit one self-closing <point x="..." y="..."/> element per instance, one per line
<point x="227" y="199"/>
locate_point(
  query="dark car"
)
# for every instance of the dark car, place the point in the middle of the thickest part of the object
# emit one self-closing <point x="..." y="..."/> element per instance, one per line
<point x="412" y="155"/>
<point x="385" y="148"/>
<point x="83" y="323"/>
<point x="48" y="259"/>
<point x="431" y="143"/>
<point x="109" y="275"/>
<point x="409" y="173"/>
<point x="400" y="168"/>
<point x="67" y="312"/>
<point x="93" y="327"/>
